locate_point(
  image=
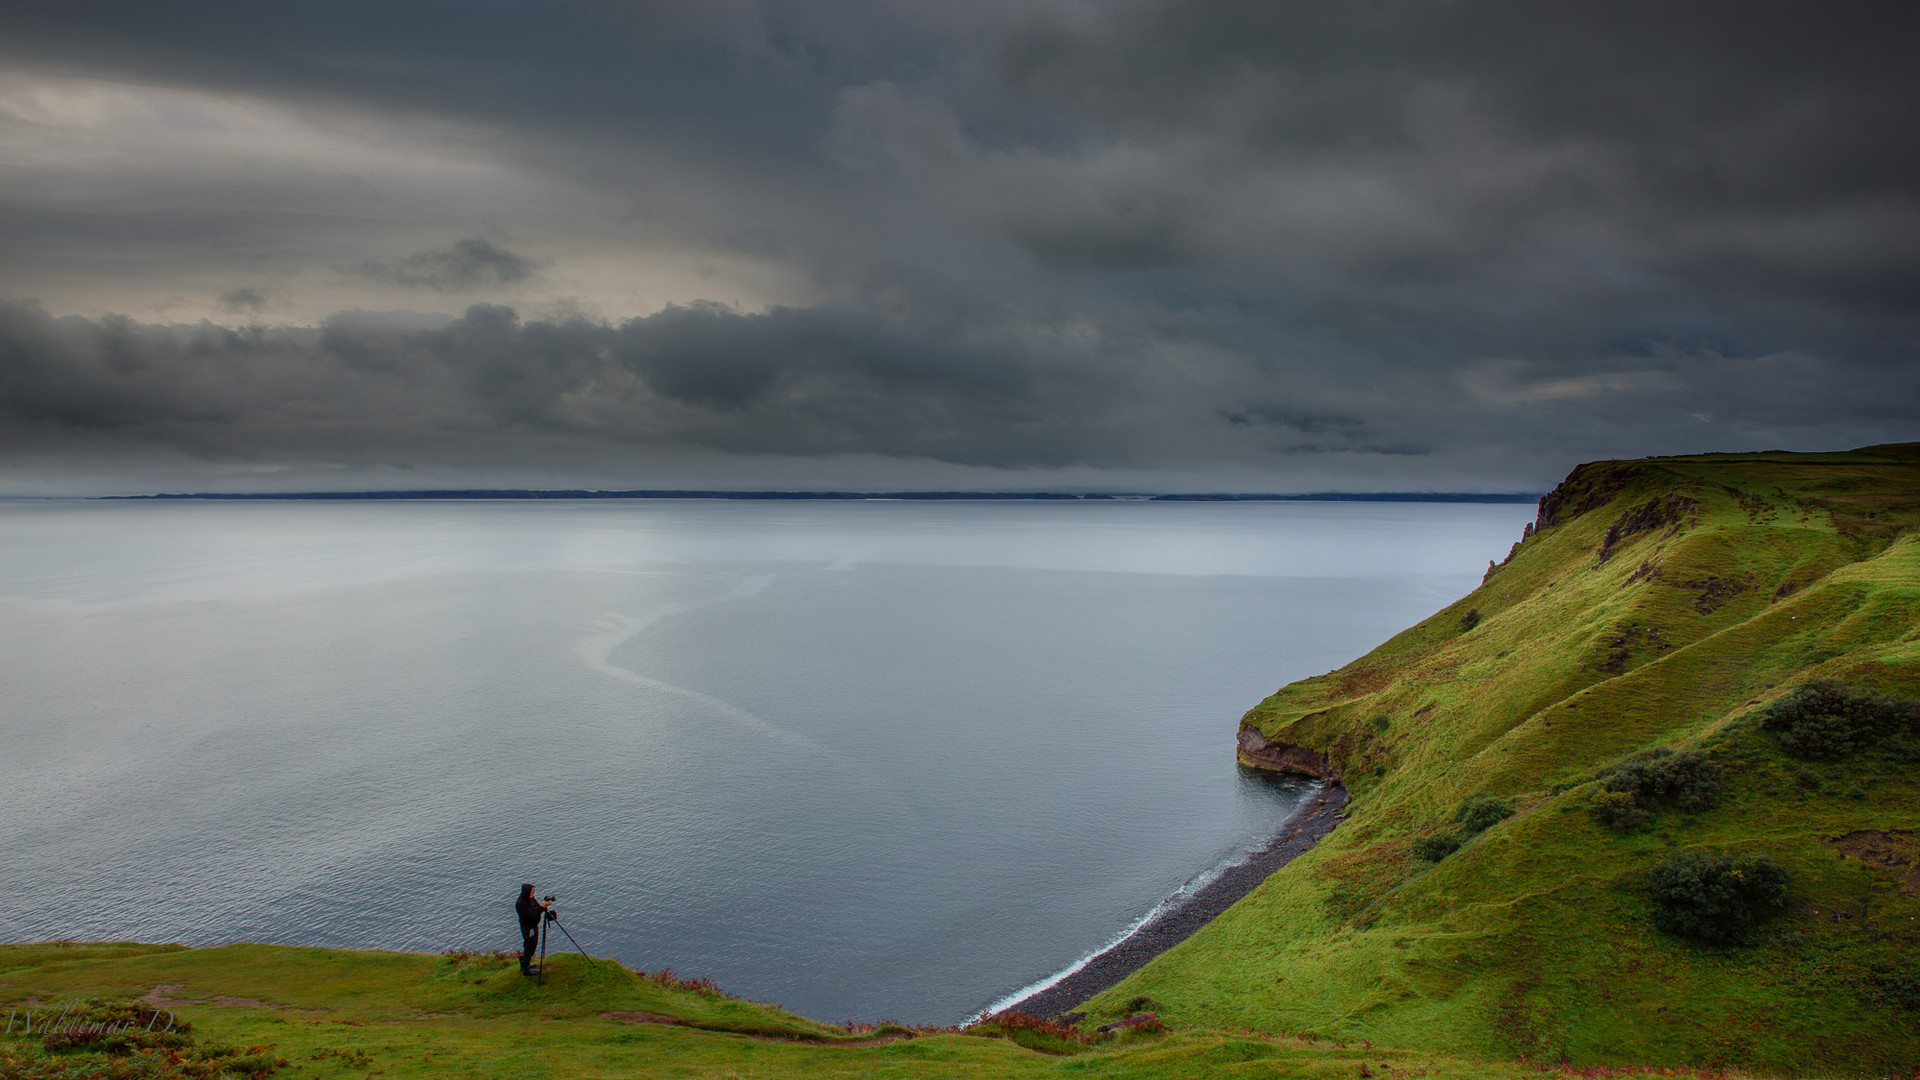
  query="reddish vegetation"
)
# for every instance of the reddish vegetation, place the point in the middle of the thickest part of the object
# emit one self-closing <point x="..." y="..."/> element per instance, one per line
<point x="665" y="977"/>
<point x="1019" y="1021"/>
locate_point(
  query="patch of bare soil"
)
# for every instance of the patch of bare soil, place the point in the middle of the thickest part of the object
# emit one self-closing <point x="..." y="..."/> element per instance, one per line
<point x="1896" y="851"/>
<point x="637" y="1016"/>
<point x="1716" y="591"/>
<point x="641" y="1016"/>
<point x="162" y="996"/>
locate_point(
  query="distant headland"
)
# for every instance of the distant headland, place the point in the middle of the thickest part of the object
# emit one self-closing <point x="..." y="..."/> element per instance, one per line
<point x="857" y="496"/>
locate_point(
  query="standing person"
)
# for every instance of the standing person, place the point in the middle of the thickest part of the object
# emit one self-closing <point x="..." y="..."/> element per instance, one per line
<point x="531" y="911"/>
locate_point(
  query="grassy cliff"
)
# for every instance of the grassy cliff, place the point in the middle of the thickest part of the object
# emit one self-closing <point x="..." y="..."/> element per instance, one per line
<point x="1624" y="687"/>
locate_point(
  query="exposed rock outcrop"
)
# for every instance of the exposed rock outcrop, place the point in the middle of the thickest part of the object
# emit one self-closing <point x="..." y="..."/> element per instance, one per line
<point x="1257" y="752"/>
<point x="1586" y="488"/>
<point x="1672" y="512"/>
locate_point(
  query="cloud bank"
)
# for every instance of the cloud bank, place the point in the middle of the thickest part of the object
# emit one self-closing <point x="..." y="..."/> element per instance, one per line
<point x="1202" y="244"/>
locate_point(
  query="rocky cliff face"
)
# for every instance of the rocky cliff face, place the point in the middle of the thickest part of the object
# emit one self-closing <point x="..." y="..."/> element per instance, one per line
<point x="1257" y="752"/>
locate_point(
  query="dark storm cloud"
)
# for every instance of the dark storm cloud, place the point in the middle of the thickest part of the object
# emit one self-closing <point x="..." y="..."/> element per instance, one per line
<point x="243" y="299"/>
<point x="1712" y="147"/>
<point x="812" y="382"/>
<point x="467" y="265"/>
<point x="1268" y="412"/>
<point x="1453" y="238"/>
<point x="817" y="381"/>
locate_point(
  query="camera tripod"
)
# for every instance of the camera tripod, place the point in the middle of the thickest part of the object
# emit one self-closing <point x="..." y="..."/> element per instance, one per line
<point x="540" y="973"/>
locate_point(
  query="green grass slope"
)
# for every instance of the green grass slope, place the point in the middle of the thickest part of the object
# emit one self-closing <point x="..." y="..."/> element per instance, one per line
<point x="1660" y="603"/>
<point x="268" y="1010"/>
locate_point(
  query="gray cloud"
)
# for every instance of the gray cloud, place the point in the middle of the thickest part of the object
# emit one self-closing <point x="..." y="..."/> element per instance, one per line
<point x="467" y="265"/>
<point x="827" y="381"/>
<point x="818" y="381"/>
<point x="242" y="300"/>
<point x="1401" y="243"/>
<point x="1268" y="412"/>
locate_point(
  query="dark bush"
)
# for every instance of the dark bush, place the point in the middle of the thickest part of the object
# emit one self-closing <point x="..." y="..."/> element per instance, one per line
<point x="1436" y="846"/>
<point x="1899" y="988"/>
<point x="1689" y="780"/>
<point x="1715" y="898"/>
<point x="1902" y="747"/>
<point x="1481" y="812"/>
<point x="1470" y="620"/>
<point x="1825" y="720"/>
<point x="1619" y="810"/>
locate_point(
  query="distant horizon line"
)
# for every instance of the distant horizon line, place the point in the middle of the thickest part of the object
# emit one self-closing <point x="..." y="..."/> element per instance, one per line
<point x="426" y="494"/>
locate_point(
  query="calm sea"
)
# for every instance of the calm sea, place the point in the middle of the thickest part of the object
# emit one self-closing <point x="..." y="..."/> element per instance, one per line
<point x="869" y="760"/>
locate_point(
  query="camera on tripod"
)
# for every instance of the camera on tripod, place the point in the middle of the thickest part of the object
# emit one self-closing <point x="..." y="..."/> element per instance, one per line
<point x="548" y="915"/>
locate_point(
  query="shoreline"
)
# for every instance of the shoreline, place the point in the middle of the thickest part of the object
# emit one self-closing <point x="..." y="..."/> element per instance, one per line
<point x="1315" y="819"/>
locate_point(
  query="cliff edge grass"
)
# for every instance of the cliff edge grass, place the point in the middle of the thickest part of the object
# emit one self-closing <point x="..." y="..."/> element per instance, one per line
<point x="1661" y="606"/>
<point x="254" y="1011"/>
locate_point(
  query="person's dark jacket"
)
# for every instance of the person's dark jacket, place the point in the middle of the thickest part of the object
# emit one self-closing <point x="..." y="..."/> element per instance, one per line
<point x="530" y="912"/>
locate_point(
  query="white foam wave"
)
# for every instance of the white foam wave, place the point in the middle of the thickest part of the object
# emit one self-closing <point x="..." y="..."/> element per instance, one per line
<point x="615" y="630"/>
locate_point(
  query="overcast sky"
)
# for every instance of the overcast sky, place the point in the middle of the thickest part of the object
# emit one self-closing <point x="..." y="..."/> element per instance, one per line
<point x="1187" y="245"/>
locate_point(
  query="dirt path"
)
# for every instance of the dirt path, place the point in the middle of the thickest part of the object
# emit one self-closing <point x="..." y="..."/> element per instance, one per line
<point x="1315" y="820"/>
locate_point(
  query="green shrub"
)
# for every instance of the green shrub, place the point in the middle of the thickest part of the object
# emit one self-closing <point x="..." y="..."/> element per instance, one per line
<point x="1474" y="816"/>
<point x="1481" y="812"/>
<point x="1825" y="720"/>
<point x="1436" y="846"/>
<point x="1689" y="780"/>
<point x="1618" y="810"/>
<point x="1715" y="898"/>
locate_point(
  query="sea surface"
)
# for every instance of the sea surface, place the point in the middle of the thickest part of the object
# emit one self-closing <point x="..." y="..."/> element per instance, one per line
<point x="866" y="759"/>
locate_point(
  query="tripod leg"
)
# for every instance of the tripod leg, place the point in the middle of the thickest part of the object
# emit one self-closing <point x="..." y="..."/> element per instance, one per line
<point x="569" y="933"/>
<point x="540" y="973"/>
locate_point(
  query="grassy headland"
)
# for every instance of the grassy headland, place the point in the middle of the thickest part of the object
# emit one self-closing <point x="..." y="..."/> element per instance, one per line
<point x="1664" y="605"/>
